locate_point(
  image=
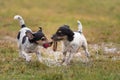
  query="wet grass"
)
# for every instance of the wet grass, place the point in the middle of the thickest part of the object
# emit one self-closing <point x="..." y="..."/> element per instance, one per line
<point x="100" y="21"/>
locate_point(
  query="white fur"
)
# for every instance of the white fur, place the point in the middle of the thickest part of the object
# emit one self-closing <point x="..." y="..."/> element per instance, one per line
<point x="20" y="19"/>
<point x="79" y="26"/>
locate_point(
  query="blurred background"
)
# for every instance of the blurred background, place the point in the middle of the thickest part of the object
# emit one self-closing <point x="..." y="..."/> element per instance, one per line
<point x="100" y="19"/>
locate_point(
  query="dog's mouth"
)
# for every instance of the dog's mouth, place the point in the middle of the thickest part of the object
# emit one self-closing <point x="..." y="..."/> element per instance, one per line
<point x="56" y="39"/>
<point x="46" y="45"/>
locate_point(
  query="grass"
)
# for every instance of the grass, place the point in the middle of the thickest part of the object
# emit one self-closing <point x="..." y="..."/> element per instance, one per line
<point x="100" y="20"/>
<point x="96" y="16"/>
<point x="14" y="68"/>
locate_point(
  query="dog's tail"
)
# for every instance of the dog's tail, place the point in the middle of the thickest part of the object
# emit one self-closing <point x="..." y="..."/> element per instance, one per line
<point x="79" y="26"/>
<point x="20" y="19"/>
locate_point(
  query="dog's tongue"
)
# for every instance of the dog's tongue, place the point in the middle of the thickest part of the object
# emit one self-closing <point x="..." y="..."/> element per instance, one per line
<point x="54" y="45"/>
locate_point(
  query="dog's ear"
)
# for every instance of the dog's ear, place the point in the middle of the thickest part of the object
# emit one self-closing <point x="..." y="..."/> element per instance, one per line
<point x="29" y="35"/>
<point x="40" y="29"/>
<point x="67" y="26"/>
<point x="70" y="35"/>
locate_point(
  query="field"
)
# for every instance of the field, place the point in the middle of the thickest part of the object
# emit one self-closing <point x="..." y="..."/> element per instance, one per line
<point x="101" y="26"/>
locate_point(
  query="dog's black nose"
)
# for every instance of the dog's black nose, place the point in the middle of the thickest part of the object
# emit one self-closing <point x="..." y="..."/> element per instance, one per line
<point x="53" y="36"/>
<point x="50" y="43"/>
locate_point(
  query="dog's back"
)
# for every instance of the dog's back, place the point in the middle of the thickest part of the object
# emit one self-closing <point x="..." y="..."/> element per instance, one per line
<point x="79" y="38"/>
<point x="22" y="35"/>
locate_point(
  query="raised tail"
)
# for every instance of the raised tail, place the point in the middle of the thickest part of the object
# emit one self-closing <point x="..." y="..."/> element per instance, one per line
<point x="79" y="26"/>
<point x="20" y="19"/>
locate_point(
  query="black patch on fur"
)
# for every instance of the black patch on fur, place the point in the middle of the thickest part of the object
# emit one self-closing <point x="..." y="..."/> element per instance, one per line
<point x="22" y="26"/>
<point x="37" y="36"/>
<point x="24" y="39"/>
<point x="65" y="30"/>
<point x="18" y="36"/>
<point x="80" y="32"/>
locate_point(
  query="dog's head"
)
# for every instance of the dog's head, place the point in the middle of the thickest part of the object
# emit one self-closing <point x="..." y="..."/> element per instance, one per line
<point x="38" y="38"/>
<point x="63" y="33"/>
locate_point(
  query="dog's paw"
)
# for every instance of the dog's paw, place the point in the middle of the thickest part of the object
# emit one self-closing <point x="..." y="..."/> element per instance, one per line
<point x="64" y="64"/>
<point x="28" y="59"/>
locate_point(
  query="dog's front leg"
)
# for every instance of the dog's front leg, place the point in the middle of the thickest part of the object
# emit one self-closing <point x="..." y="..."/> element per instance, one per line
<point x="27" y="57"/>
<point x="38" y="53"/>
<point x="68" y="58"/>
<point x="64" y="56"/>
<point x="21" y="54"/>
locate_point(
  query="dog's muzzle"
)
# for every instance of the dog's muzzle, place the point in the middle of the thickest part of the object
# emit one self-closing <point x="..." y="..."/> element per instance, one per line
<point x="56" y="38"/>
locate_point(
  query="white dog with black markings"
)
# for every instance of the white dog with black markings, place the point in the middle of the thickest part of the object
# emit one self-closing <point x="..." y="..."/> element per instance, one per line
<point x="28" y="41"/>
<point x="72" y="41"/>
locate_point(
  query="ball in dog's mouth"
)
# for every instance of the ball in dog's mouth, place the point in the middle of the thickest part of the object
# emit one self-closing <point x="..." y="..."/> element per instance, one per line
<point x="46" y="45"/>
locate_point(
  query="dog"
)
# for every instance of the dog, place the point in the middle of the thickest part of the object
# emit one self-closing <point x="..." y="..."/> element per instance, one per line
<point x="30" y="42"/>
<point x="72" y="41"/>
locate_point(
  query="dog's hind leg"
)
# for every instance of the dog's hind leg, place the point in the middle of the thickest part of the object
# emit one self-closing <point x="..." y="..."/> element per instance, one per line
<point x="85" y="47"/>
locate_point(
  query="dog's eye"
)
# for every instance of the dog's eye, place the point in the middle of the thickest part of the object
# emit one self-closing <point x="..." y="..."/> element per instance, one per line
<point x="61" y="34"/>
<point x="43" y="38"/>
<point x="59" y="31"/>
